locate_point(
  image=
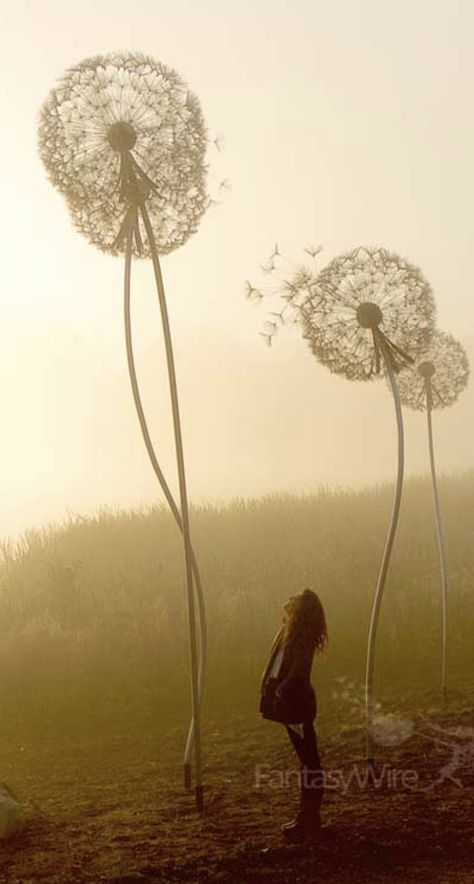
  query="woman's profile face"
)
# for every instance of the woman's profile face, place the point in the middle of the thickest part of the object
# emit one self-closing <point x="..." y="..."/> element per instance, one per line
<point x="290" y="605"/>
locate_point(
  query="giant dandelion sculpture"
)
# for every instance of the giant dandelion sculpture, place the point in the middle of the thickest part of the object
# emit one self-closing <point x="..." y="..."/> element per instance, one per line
<point x="124" y="140"/>
<point x="366" y="313"/>
<point x="439" y="374"/>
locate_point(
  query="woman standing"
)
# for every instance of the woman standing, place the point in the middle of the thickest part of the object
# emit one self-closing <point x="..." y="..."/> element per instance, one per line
<point x="287" y="696"/>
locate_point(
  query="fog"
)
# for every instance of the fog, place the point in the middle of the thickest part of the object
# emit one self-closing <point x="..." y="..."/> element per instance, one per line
<point x="344" y="124"/>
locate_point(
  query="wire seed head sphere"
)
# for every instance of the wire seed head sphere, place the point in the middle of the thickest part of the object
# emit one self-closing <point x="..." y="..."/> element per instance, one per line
<point x="442" y="368"/>
<point x="362" y="301"/>
<point x="123" y="127"/>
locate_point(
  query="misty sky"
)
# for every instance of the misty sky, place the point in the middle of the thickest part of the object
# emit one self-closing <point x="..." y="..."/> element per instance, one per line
<point x="345" y="123"/>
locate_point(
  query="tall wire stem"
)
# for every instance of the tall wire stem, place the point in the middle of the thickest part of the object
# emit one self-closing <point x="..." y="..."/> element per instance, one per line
<point x="441" y="543"/>
<point x="183" y="500"/>
<point x="369" y="686"/>
<point x="168" y="495"/>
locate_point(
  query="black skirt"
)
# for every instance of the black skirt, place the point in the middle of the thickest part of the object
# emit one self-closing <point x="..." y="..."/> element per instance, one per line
<point x="297" y="705"/>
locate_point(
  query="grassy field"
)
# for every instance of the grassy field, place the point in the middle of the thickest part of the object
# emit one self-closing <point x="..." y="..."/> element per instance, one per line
<point x="96" y="607"/>
<point x="95" y="692"/>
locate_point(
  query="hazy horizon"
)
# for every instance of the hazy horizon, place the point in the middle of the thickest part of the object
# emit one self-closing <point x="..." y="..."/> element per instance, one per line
<point x="343" y="124"/>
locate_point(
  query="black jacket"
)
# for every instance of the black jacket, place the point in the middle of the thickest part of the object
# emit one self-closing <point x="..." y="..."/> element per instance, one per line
<point x="298" y="699"/>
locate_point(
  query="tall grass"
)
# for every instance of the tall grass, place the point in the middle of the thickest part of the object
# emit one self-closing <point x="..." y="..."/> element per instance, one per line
<point x="94" y="611"/>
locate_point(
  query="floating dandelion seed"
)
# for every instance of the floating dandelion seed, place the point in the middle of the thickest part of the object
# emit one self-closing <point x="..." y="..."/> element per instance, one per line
<point x="367" y="312"/>
<point x="270" y="327"/>
<point x="439" y="374"/>
<point x="219" y="141"/>
<point x="291" y="288"/>
<point x="251" y="293"/>
<point x="313" y="251"/>
<point x="280" y="316"/>
<point x="124" y="140"/>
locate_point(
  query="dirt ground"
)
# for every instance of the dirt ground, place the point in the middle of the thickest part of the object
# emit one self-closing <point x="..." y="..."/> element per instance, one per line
<point x="108" y="804"/>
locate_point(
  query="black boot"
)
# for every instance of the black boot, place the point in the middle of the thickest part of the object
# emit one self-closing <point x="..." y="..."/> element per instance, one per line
<point x="294" y="824"/>
<point x="306" y="827"/>
<point x="311" y="820"/>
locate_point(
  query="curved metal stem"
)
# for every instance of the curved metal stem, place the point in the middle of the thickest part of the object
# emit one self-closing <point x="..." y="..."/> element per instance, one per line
<point x="183" y="500"/>
<point x="386" y="554"/>
<point x="441" y="543"/>
<point x="166" y="491"/>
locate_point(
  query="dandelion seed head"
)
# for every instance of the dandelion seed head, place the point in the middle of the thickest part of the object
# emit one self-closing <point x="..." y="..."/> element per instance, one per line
<point x="109" y="107"/>
<point x="121" y="136"/>
<point x="369" y="315"/>
<point x="426" y="369"/>
<point x="442" y="366"/>
<point x="356" y="296"/>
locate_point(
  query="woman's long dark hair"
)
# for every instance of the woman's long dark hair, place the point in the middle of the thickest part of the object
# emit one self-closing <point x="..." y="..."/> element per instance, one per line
<point x="307" y="621"/>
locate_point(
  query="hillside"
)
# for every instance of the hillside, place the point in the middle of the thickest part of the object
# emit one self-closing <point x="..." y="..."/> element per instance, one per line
<point x="96" y="607"/>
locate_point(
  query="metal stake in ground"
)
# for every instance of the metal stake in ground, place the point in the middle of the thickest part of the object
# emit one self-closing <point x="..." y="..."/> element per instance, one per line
<point x="366" y="311"/>
<point x="123" y="132"/>
<point x="183" y="498"/>
<point x="382" y="579"/>
<point x="434" y="382"/>
<point x="439" y="532"/>
<point x="168" y="495"/>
